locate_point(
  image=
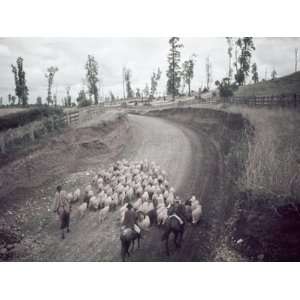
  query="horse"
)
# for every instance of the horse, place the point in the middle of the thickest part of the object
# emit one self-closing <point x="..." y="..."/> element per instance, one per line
<point x="173" y="225"/>
<point x="128" y="237"/>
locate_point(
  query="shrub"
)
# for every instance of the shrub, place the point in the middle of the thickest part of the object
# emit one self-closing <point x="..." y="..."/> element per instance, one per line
<point x="24" y="117"/>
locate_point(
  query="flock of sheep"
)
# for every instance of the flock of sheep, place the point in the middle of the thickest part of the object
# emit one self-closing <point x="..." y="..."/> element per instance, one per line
<point x="141" y="183"/>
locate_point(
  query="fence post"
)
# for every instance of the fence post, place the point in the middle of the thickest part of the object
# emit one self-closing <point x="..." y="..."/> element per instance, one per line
<point x="2" y="143"/>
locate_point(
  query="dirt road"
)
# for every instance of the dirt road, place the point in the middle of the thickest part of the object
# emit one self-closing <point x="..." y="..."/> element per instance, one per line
<point x="193" y="166"/>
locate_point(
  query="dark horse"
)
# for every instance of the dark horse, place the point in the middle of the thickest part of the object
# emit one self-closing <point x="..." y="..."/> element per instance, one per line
<point x="128" y="237"/>
<point x="172" y="225"/>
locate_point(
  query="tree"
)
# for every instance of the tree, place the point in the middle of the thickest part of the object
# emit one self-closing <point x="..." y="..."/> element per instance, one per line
<point x="127" y="77"/>
<point x="92" y="77"/>
<point x="173" y="73"/>
<point x="229" y="52"/>
<point x="208" y="71"/>
<point x="146" y="91"/>
<point x="273" y="74"/>
<point x="254" y="73"/>
<point x="82" y="99"/>
<point x="50" y="76"/>
<point x="138" y="93"/>
<point x="21" y="89"/>
<point x="112" y="96"/>
<point x="68" y="99"/>
<point x="39" y="100"/>
<point x="225" y="88"/>
<point x="154" y="82"/>
<point x="188" y="72"/>
<point x="246" y="46"/>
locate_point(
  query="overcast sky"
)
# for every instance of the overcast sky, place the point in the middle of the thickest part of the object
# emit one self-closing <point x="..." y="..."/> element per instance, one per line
<point x="141" y="55"/>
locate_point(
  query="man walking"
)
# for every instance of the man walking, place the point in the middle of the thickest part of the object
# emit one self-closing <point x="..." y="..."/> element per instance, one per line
<point x="62" y="207"/>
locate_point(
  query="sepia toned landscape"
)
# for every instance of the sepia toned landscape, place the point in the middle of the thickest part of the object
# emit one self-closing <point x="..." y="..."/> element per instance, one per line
<point x="196" y="139"/>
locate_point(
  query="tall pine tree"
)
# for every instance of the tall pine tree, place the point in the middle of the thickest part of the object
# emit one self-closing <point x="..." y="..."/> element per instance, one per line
<point x="246" y="46"/>
<point x="173" y="73"/>
<point x="188" y="72"/>
<point x="92" y="77"/>
<point x="20" y="82"/>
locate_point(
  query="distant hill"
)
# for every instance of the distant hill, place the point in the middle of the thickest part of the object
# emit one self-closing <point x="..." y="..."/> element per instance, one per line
<point x="284" y="85"/>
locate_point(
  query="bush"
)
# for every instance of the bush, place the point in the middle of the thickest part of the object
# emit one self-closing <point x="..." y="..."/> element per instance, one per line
<point x="24" y="117"/>
<point x="84" y="103"/>
<point x="225" y="88"/>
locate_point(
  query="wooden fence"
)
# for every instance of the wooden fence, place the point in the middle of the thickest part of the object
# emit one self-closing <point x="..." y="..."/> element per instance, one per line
<point x="284" y="100"/>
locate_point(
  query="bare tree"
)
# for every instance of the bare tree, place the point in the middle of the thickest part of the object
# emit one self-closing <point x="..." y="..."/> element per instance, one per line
<point x="208" y="70"/>
<point x="229" y="51"/>
<point x="50" y="76"/>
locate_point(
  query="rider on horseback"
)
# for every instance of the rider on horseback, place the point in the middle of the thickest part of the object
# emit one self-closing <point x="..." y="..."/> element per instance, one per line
<point x="175" y="211"/>
<point x="130" y="219"/>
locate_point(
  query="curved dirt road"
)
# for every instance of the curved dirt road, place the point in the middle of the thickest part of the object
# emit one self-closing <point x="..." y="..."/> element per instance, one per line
<point x="190" y="168"/>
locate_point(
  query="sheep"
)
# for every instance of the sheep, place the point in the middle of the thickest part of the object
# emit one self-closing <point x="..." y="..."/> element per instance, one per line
<point x="196" y="214"/>
<point x="103" y="214"/>
<point x="145" y="223"/>
<point x="123" y="209"/>
<point x="194" y="202"/>
<point x="90" y="193"/>
<point x="94" y="203"/>
<point x="88" y="188"/>
<point x="136" y="205"/>
<point x="162" y="215"/>
<point x="114" y="201"/>
<point x="82" y="209"/>
<point x="122" y="197"/>
<point x="170" y="199"/>
<point x="76" y="195"/>
<point x="129" y="194"/>
<point x="145" y="197"/>
<point x="146" y="207"/>
<point x="160" y="199"/>
<point x="70" y="197"/>
<point x="108" y="201"/>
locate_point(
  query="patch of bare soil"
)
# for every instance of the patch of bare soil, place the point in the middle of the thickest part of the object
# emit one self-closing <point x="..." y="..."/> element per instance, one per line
<point x="28" y="181"/>
<point x="267" y="228"/>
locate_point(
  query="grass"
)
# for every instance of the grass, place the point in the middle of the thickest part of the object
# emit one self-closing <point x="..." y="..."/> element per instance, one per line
<point x="272" y="151"/>
<point x="284" y="85"/>
<point x="23" y="117"/>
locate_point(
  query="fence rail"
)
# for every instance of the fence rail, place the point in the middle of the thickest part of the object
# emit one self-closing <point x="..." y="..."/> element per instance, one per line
<point x="284" y="100"/>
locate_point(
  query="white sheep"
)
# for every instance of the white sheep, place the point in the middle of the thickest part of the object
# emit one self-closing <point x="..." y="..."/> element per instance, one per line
<point x="103" y="214"/>
<point x="107" y="201"/>
<point x="76" y="196"/>
<point x="162" y="215"/>
<point x="70" y="197"/>
<point x="94" y="203"/>
<point x="88" y="188"/>
<point x="82" y="209"/>
<point x="145" y="223"/>
<point x="137" y="204"/>
<point x="196" y="214"/>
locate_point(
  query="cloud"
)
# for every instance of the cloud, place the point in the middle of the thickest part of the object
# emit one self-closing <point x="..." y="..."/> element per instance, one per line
<point x="141" y="55"/>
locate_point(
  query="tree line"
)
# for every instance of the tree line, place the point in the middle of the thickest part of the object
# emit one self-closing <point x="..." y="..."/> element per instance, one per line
<point x="241" y="70"/>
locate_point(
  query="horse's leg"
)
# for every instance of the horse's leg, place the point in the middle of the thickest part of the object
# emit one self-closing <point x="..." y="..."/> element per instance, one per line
<point x="167" y="244"/>
<point x="123" y="251"/>
<point x="132" y="248"/>
<point x="180" y="236"/>
<point x="139" y="237"/>
<point x="175" y="238"/>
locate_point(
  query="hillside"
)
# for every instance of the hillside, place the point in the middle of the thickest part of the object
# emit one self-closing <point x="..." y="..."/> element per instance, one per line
<point x="284" y="85"/>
